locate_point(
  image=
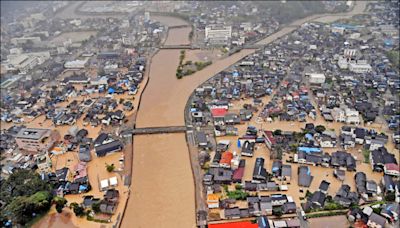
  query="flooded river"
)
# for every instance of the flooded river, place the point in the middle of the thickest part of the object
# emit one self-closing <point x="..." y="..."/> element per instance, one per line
<point x="162" y="192"/>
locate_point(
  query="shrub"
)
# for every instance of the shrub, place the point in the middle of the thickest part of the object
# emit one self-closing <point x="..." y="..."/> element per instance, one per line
<point x="237" y="195"/>
<point x="390" y="196"/>
<point x="96" y="207"/>
<point x="277" y="211"/>
<point x="110" y="168"/>
<point x="366" y="153"/>
<point x="78" y="210"/>
<point x="320" y="128"/>
<point x="60" y="203"/>
<point x="225" y="188"/>
<point x="326" y="214"/>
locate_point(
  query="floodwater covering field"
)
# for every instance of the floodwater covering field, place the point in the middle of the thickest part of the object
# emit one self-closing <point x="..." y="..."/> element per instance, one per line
<point x="74" y="36"/>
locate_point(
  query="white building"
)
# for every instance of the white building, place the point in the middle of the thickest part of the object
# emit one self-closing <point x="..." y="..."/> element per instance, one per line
<point x="339" y="30"/>
<point x="352" y="116"/>
<point x="317" y="78"/>
<point x="76" y="22"/>
<point x="110" y="68"/>
<point x="125" y="24"/>
<point x="218" y="33"/>
<point x="76" y="64"/>
<point x="246" y="26"/>
<point x="360" y="67"/>
<point x="61" y="50"/>
<point x="146" y="16"/>
<point x="349" y="52"/>
<point x="24" y="40"/>
<point x="15" y="51"/>
<point x="22" y="62"/>
<point x="343" y="63"/>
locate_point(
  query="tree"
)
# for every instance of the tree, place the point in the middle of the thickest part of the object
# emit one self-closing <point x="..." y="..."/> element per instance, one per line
<point x="60" y="203"/>
<point x="391" y="196"/>
<point x="96" y="207"/>
<point x="238" y="187"/>
<point x="22" y="183"/>
<point x="78" y="210"/>
<point x="320" y="129"/>
<point x="278" y="132"/>
<point x="277" y="211"/>
<point x="110" y="168"/>
<point x="237" y="195"/>
<point x="23" y="208"/>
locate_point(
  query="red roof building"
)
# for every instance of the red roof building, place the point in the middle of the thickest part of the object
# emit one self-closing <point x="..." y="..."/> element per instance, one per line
<point x="226" y="159"/>
<point x="246" y="224"/>
<point x="218" y="112"/>
<point x="392" y="169"/>
<point x="238" y="174"/>
<point x="269" y="139"/>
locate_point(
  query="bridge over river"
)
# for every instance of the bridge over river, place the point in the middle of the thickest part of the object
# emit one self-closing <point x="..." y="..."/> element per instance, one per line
<point x="155" y="130"/>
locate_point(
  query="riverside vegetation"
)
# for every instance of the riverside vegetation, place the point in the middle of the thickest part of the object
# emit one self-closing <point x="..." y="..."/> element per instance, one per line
<point x="189" y="67"/>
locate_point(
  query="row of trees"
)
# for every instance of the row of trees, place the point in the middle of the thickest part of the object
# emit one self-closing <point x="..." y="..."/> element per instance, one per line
<point x="179" y="71"/>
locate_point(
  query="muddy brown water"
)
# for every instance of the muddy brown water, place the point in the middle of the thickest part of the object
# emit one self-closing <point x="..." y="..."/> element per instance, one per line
<point x="162" y="192"/>
<point x="329" y="222"/>
<point x="56" y="220"/>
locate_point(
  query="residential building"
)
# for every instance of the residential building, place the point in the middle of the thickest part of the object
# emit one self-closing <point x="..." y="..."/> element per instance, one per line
<point x="36" y="139"/>
<point x="352" y="116"/>
<point x="317" y="78"/>
<point x="213" y="201"/>
<point x="75" y="64"/>
<point x="360" y="68"/>
<point x="376" y="221"/>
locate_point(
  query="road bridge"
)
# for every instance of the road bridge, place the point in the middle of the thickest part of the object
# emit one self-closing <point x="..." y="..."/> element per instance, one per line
<point x="179" y="47"/>
<point x="155" y="130"/>
<point x="178" y="26"/>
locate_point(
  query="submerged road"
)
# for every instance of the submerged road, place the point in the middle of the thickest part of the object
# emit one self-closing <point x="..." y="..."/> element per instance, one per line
<point x="162" y="192"/>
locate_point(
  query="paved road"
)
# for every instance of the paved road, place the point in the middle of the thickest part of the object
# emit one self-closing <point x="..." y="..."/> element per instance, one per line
<point x="303" y="223"/>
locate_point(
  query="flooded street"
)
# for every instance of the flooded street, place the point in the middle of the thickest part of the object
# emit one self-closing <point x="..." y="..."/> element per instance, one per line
<point x="329" y="222"/>
<point x="56" y="220"/>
